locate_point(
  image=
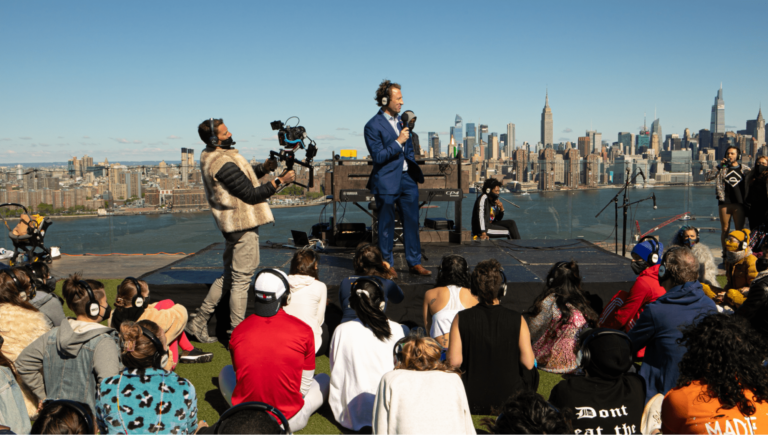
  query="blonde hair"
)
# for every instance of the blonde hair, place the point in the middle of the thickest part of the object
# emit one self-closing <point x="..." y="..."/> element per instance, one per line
<point x="421" y="354"/>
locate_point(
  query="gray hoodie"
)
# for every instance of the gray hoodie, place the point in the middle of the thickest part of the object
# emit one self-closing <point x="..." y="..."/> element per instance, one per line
<point x="71" y="337"/>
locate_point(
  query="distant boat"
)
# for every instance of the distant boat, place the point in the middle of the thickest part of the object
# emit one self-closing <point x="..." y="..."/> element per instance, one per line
<point x="686" y="218"/>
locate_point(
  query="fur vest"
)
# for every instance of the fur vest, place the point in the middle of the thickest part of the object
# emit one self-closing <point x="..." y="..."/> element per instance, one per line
<point x="707" y="267"/>
<point x="230" y="212"/>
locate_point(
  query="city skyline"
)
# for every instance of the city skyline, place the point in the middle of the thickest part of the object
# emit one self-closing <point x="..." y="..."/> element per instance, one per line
<point x="108" y="80"/>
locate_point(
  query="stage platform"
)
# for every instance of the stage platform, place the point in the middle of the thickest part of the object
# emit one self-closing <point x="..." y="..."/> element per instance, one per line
<point x="525" y="262"/>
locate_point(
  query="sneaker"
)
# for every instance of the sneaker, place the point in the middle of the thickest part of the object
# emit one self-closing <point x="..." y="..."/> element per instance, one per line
<point x="651" y="420"/>
<point x="195" y="356"/>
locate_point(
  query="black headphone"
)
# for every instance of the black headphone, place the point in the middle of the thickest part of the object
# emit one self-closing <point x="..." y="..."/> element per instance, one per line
<point x="738" y="151"/>
<point x="654" y="257"/>
<point x="138" y="300"/>
<point x="586" y="355"/>
<point x="286" y="295"/>
<point x="500" y="293"/>
<point x="93" y="308"/>
<point x="78" y="408"/>
<point x="385" y="99"/>
<point x="558" y="265"/>
<point x="160" y="357"/>
<point x="32" y="280"/>
<point x="440" y="266"/>
<point x="18" y="286"/>
<point x="358" y="285"/>
<point x="663" y="265"/>
<point x="214" y="140"/>
<point x="254" y="406"/>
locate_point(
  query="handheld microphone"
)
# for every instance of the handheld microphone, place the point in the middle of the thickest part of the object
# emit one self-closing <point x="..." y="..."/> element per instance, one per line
<point x="408" y="119"/>
<point x="654" y="201"/>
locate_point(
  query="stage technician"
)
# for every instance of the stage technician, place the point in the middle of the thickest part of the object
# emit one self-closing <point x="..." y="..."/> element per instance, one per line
<point x="394" y="177"/>
<point x="239" y="205"/>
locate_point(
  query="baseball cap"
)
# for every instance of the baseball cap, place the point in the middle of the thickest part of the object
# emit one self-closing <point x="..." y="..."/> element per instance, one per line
<point x="270" y="286"/>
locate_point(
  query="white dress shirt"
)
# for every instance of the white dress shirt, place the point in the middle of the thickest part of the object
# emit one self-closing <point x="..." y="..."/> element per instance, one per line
<point x="394" y="123"/>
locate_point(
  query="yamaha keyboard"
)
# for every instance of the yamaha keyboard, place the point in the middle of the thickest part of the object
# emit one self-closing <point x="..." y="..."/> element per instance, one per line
<point x="425" y="195"/>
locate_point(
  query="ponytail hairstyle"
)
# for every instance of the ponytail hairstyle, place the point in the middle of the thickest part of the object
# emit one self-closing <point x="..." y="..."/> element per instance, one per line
<point x="76" y="295"/>
<point x="564" y="281"/>
<point x="420" y="354"/>
<point x="367" y="299"/>
<point x="368" y="261"/>
<point x="127" y="290"/>
<point x="138" y="351"/>
<point x="15" y="292"/>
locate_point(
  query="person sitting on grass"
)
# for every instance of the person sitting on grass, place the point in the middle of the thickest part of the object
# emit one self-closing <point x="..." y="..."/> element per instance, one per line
<point x="13" y="411"/>
<point x="527" y="412"/>
<point x="273" y="356"/>
<point x="723" y="385"/>
<point x="64" y="416"/>
<point x="369" y="263"/>
<point x="249" y="418"/>
<point x="45" y="299"/>
<point x="145" y="398"/>
<point x="491" y="344"/>
<point x="755" y="307"/>
<point x="421" y="384"/>
<point x="688" y="236"/>
<point x="451" y="295"/>
<point x="81" y="347"/>
<point x="132" y="305"/>
<point x="309" y="296"/>
<point x="360" y="354"/>
<point x="740" y="269"/>
<point x="558" y="315"/>
<point x="20" y="324"/>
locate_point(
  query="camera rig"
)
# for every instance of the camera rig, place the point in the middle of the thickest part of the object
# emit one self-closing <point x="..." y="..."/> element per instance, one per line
<point x="292" y="140"/>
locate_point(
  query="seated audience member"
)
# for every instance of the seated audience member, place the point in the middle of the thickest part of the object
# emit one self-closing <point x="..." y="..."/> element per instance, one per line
<point x="658" y="327"/>
<point x="723" y="386"/>
<point x="64" y="416"/>
<point x="13" y="411"/>
<point x="82" y="348"/>
<point x="622" y="314"/>
<point x="121" y="400"/>
<point x="487" y="214"/>
<point x="421" y="385"/>
<point x="451" y="295"/>
<point x="755" y="307"/>
<point x="279" y="370"/>
<point x="360" y="354"/>
<point x="132" y="305"/>
<point x="309" y="296"/>
<point x="45" y="299"/>
<point x="250" y="418"/>
<point x="527" y="412"/>
<point x="607" y="396"/>
<point x="369" y="263"/>
<point x="491" y="344"/>
<point x="20" y="324"/>
<point x="557" y="317"/>
<point x="740" y="268"/>
<point x="688" y="236"/>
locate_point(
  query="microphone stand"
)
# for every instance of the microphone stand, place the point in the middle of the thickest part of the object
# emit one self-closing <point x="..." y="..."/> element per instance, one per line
<point x="625" y="206"/>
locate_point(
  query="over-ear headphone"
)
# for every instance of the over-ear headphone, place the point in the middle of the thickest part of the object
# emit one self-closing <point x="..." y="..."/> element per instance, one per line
<point x="663" y="265"/>
<point x="744" y="244"/>
<point x="214" y="140"/>
<point x="138" y="300"/>
<point x="586" y="355"/>
<point x="32" y="280"/>
<point x="18" y="285"/>
<point x="440" y="266"/>
<point x="502" y="290"/>
<point x="654" y="257"/>
<point x="78" y="408"/>
<point x="160" y="357"/>
<point x="359" y="285"/>
<point x="254" y="406"/>
<point x="93" y="308"/>
<point x="397" y="351"/>
<point x="287" y="294"/>
<point x="385" y="99"/>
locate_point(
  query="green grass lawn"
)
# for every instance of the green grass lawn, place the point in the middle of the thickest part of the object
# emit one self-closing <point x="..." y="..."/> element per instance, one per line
<point x="211" y="403"/>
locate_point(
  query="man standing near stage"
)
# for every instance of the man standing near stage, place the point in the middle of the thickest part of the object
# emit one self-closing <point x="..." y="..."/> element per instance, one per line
<point x="239" y="205"/>
<point x="394" y="177"/>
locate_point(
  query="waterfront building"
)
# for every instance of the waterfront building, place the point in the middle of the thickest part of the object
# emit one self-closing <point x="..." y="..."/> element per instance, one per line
<point x="595" y="141"/>
<point x="584" y="146"/>
<point x="519" y="159"/>
<point x="546" y="123"/>
<point x="717" y="121"/>
<point x="572" y="163"/>
<point x="547" y="169"/>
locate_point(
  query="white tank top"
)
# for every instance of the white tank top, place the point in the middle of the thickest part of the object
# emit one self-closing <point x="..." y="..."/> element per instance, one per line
<point x="442" y="320"/>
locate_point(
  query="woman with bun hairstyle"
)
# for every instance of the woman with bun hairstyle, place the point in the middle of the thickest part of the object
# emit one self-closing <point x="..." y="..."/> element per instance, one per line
<point x="83" y="348"/>
<point x="360" y="354"/>
<point x="20" y="323"/>
<point x="421" y="385"/>
<point x="731" y="190"/>
<point x="143" y="397"/>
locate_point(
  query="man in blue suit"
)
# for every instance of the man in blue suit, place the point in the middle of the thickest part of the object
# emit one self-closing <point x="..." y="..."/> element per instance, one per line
<point x="394" y="177"/>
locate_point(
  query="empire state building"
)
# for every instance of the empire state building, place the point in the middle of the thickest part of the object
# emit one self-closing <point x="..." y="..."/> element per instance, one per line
<point x="546" y="124"/>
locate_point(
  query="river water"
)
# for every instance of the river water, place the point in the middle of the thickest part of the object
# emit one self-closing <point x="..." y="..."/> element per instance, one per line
<point x="546" y="215"/>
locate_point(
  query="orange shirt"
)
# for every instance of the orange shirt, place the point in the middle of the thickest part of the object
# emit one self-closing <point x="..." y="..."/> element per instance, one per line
<point x="684" y="411"/>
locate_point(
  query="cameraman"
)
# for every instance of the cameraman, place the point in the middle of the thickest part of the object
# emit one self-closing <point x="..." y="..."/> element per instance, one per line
<point x="238" y="203"/>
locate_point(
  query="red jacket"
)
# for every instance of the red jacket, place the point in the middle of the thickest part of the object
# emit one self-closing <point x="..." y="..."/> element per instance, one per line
<point x="645" y="290"/>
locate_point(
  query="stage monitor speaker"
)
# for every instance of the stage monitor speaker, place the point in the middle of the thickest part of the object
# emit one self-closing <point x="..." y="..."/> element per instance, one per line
<point x="438" y="223"/>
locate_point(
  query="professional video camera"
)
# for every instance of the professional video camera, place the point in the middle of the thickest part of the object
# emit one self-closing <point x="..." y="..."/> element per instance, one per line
<point x="292" y="139"/>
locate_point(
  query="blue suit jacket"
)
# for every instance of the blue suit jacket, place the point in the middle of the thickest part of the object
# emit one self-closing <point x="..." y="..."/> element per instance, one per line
<point x="388" y="156"/>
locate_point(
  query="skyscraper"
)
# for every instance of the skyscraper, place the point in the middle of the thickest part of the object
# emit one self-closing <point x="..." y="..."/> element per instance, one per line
<point x="755" y="127"/>
<point x="625" y="141"/>
<point x="546" y="123"/>
<point x="458" y="129"/>
<point x="510" y="139"/>
<point x="493" y="147"/>
<point x="434" y="144"/>
<point x="656" y="129"/>
<point x="471" y="131"/>
<point x="482" y="133"/>
<point x="595" y="141"/>
<point x="717" y="122"/>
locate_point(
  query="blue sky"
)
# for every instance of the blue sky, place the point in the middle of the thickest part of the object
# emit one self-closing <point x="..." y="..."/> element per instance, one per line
<point x="131" y="80"/>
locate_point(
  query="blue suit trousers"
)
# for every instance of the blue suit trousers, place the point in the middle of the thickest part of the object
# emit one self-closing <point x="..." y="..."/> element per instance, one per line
<point x="407" y="200"/>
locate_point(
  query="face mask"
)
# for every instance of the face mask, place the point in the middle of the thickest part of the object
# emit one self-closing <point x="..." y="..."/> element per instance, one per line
<point x="107" y="313"/>
<point x="228" y="143"/>
<point x="689" y="242"/>
<point x="639" y="266"/>
<point x="493" y="196"/>
<point x="761" y="169"/>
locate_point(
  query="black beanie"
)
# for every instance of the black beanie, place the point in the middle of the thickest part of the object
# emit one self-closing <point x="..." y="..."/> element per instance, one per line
<point x="610" y="356"/>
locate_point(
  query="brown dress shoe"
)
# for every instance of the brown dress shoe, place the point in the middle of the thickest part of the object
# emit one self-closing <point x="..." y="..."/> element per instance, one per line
<point x="392" y="273"/>
<point x="419" y="270"/>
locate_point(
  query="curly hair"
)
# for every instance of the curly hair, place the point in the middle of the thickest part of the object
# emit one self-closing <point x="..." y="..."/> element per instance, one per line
<point x="564" y="281"/>
<point x="486" y="280"/>
<point x="381" y="92"/>
<point x="725" y="355"/>
<point x="453" y="271"/>
<point x="527" y="412"/>
<point x="421" y="354"/>
<point x="490" y="184"/>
